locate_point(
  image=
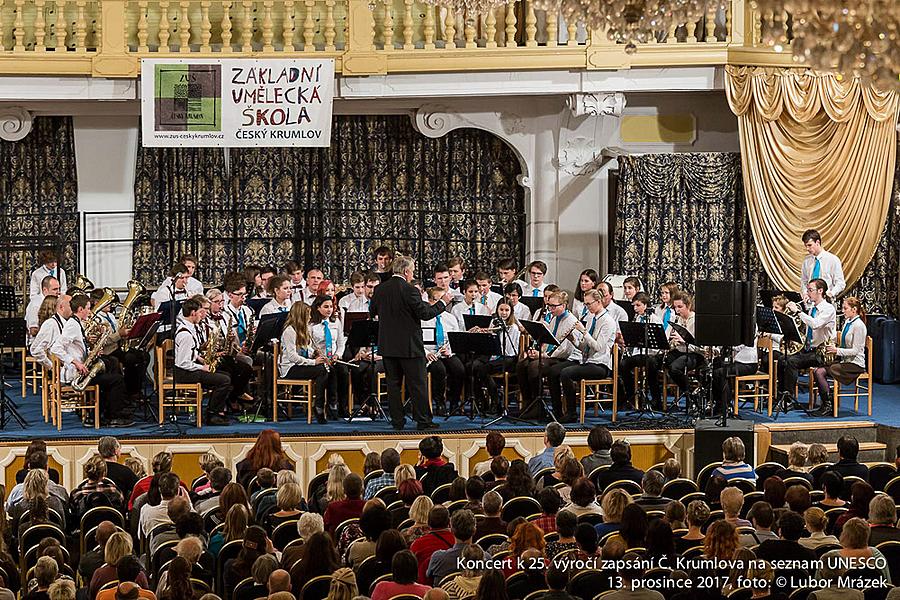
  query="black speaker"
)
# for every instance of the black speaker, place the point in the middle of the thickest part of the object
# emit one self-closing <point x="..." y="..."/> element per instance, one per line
<point x="708" y="438"/>
<point x="725" y="313"/>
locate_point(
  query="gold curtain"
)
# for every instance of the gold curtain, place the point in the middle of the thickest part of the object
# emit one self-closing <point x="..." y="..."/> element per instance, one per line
<point x="817" y="152"/>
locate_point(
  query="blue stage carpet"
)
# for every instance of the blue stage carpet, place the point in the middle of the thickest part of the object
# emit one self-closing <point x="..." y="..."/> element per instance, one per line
<point x="886" y="403"/>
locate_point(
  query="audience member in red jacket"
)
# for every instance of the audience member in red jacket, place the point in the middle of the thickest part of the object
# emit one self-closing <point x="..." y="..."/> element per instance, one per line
<point x="349" y="508"/>
<point x="437" y="538"/>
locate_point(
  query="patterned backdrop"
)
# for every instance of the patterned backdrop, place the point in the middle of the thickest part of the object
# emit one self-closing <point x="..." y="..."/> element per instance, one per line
<point x="38" y="199"/>
<point x="380" y="182"/>
<point x="682" y="217"/>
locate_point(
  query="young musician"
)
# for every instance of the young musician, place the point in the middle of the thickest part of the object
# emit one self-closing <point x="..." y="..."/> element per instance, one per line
<point x="638" y="357"/>
<point x="512" y="292"/>
<point x="298" y="284"/>
<point x="192" y="285"/>
<point x="820" y="264"/>
<point x="441" y="276"/>
<point x="384" y="256"/>
<point x="190" y="367"/>
<point x="265" y="275"/>
<point x="442" y="363"/>
<point x="133" y="362"/>
<point x="173" y="287"/>
<point x="630" y="287"/>
<point x="820" y="323"/>
<point x="456" y="266"/>
<point x="536" y="272"/>
<point x="357" y="301"/>
<point x="314" y="277"/>
<point x="299" y="358"/>
<point x="664" y="310"/>
<point x="238" y="315"/>
<point x="850" y="353"/>
<point x="588" y="280"/>
<point x="49" y="268"/>
<point x="506" y="273"/>
<point x="71" y="347"/>
<point x="252" y="279"/>
<point x="280" y="291"/>
<point x="591" y="357"/>
<point x="606" y="298"/>
<point x="530" y="369"/>
<point x="544" y="313"/>
<point x="484" y="367"/>
<point x="327" y="335"/>
<point x="746" y="362"/>
<point x="51" y="326"/>
<point x="49" y="287"/>
<point x="327" y="288"/>
<point x="236" y="365"/>
<point x="486" y="296"/>
<point x="683" y="357"/>
<point x="470" y="304"/>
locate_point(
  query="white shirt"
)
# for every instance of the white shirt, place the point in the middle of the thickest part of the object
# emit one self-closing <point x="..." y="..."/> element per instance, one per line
<point x="231" y="316"/>
<point x="317" y="333"/>
<point x="429" y="331"/>
<point x="187" y="347"/>
<point x="596" y="348"/>
<point x="617" y="313"/>
<point x="31" y="312"/>
<point x="830" y="270"/>
<point x="509" y="340"/>
<point x="660" y="311"/>
<point x="852" y="348"/>
<point x="490" y="300"/>
<point x="462" y="308"/>
<point x="289" y="355"/>
<point x="560" y="326"/>
<point x="272" y="307"/>
<point x="69" y="347"/>
<point x="298" y="291"/>
<point x="353" y="303"/>
<point x="822" y="324"/>
<point x="37" y="276"/>
<point x="579" y="309"/>
<point x="521" y="312"/>
<point x="164" y="293"/>
<point x="50" y="329"/>
<point x="747" y="355"/>
<point x="528" y="290"/>
<point x="689" y="325"/>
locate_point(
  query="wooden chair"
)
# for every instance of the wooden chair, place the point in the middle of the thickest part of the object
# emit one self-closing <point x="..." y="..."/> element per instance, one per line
<point x="757" y="380"/>
<point x="307" y="395"/>
<point x="191" y="394"/>
<point x="859" y="390"/>
<point x="65" y="397"/>
<point x="31" y="371"/>
<point x="605" y="396"/>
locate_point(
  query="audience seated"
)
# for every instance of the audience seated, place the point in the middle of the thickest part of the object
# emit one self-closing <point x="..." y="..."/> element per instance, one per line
<point x="443" y="562"/>
<point x="518" y="482"/>
<point x="762" y="517"/>
<point x="883" y="521"/>
<point x="350" y="507"/>
<point x="96" y="489"/>
<point x="832" y="483"/>
<point x="621" y="467"/>
<point x="219" y="477"/>
<point x="128" y="571"/>
<point x="583" y="499"/>
<point x="466" y="583"/>
<point x="404" y="570"/>
<point x="652" y="483"/>
<point x="531" y="579"/>
<point x="566" y="522"/>
<point x="389" y="460"/>
<point x="797" y="456"/>
<point x="599" y="441"/>
<point x="318" y="557"/>
<point x="557" y="582"/>
<point x="118" y="546"/>
<point x="790" y="528"/>
<point x="494" y="445"/>
<point x="613" y="505"/>
<point x="36" y="446"/>
<point x="816" y="522"/>
<point x="124" y="478"/>
<point x="848" y="450"/>
<point x="266" y="452"/>
<point x="554" y="435"/>
<point x="733" y="465"/>
<point x="732" y="500"/>
<point x="418" y="512"/>
<point x="438" y="537"/>
<point x="432" y="463"/>
<point x="550" y="502"/>
<point x="491" y="521"/>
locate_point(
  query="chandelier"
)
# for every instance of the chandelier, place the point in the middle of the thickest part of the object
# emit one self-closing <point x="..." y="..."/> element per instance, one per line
<point x="858" y="38"/>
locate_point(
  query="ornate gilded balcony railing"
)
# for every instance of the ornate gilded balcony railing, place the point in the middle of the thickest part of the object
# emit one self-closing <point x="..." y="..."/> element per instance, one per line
<point x="108" y="37"/>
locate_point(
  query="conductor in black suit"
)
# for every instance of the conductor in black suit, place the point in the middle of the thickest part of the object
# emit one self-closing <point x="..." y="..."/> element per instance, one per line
<point x="400" y="311"/>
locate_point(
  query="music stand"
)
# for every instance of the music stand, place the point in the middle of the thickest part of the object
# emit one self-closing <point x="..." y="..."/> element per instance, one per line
<point x="627" y="307"/>
<point x="168" y="311"/>
<point x="791" y="334"/>
<point x="790" y="295"/>
<point x="540" y="335"/>
<point x="268" y="329"/>
<point x="534" y="303"/>
<point x="351" y="318"/>
<point x="12" y="335"/>
<point x="470" y="345"/>
<point x="256" y="305"/>
<point x="766" y="321"/>
<point x="143" y="330"/>
<point x="364" y="334"/>
<point x="644" y="337"/>
<point x="482" y="321"/>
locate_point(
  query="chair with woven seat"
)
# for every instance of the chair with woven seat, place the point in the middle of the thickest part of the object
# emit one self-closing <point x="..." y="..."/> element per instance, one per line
<point x="65" y="397"/>
<point x="306" y="395"/>
<point x="610" y="395"/>
<point x="173" y="395"/>
<point x="762" y="383"/>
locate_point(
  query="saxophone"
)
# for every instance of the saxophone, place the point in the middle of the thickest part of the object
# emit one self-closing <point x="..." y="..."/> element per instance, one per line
<point x="92" y="363"/>
<point x="231" y="342"/>
<point x="251" y="335"/>
<point x="211" y="352"/>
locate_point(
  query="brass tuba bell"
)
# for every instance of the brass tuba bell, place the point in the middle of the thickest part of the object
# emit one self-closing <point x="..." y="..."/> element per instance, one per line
<point x="81" y="285"/>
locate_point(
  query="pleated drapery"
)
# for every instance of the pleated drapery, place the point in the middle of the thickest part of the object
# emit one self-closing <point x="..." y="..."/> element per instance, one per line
<point x="817" y="152"/>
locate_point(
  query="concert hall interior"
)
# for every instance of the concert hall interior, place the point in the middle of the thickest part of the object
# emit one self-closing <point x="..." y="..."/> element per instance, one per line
<point x="630" y="253"/>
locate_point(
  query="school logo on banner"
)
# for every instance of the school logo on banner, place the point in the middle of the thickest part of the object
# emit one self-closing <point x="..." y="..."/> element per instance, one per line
<point x="236" y="102"/>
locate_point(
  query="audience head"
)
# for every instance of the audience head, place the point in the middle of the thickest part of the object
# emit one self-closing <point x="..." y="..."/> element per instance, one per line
<point x="353" y="486"/>
<point x="310" y="523"/>
<point x="790" y="526"/>
<point x="697" y="513"/>
<point x="45" y="571"/>
<point x="614" y="548"/>
<point x="832" y="483"/>
<point x="334" y="486"/>
<point x="586" y="538"/>
<point x="127" y="590"/>
<point x="500" y="467"/>
<point x="389" y="460"/>
<point x="527" y="535"/>
<point x="434" y="593"/>
<point x="675" y="514"/>
<point x="128" y="568"/>
<point x="179" y="579"/>
<point x="108" y="447"/>
<point x="279" y="581"/>
<point x="599" y="438"/>
<point x="492" y="503"/>
<point x="189" y="524"/>
<point x="518" y="479"/>
<point x="762" y="515"/>
<point x="550" y="500"/>
<point x="162" y="462"/>
<point x="219" y="477"/>
<point x="733" y="449"/>
<point x="475" y="488"/>
<point x="267" y="451"/>
<point x="457" y="489"/>
<point x="732" y="499"/>
<point x="262" y="568"/>
<point x="420" y="509"/>
<point x="117" y="546"/>
<point x="659" y="540"/>
<point x="815" y="519"/>
<point x="855" y="534"/>
<point x="882" y="510"/>
<point x="168" y="485"/>
<point x="439" y="517"/>
<point x="177" y="508"/>
<point x="861" y="494"/>
<point x="848" y="447"/>
<point x="409" y="490"/>
<point x="797" y="498"/>
<point x="634" y="526"/>
<point x="721" y="540"/>
<point x="374" y="519"/>
<point x="613" y="504"/>
<point x="774" y="491"/>
<point x="816" y="454"/>
<point x="492" y="585"/>
<point x="343" y="585"/>
<point x="671" y="469"/>
<point x="494" y="443"/>
<point x="620" y="452"/>
<point x="798" y="454"/>
<point x="389" y="543"/>
<point x="403" y="472"/>
<point x="236" y="521"/>
<point x="265" y="477"/>
<point x="472" y="557"/>
<point x="36" y="484"/>
<point x="566" y="522"/>
<point x="462" y="524"/>
<point x="63" y="589"/>
<point x="289" y="497"/>
<point x="557" y="578"/>
<point x="431" y="447"/>
<point x="554" y="434"/>
<point x="405" y="567"/>
<point x="583" y="492"/>
<point x="652" y="483"/>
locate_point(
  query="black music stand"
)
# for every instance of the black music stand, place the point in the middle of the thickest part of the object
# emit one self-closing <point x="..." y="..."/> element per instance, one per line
<point x="169" y="311"/>
<point x="470" y="345"/>
<point x="350" y="318"/>
<point x="627" y="307"/>
<point x="534" y="303"/>
<point x="482" y="321"/>
<point x="12" y="335"/>
<point x="644" y="337"/>
<point x="766" y="321"/>
<point x="268" y="329"/>
<point x="363" y="333"/>
<point x="790" y="295"/>
<point x="540" y="335"/>
<point x="504" y="412"/>
<point x="256" y="305"/>
<point x="143" y="330"/>
<point x="791" y="334"/>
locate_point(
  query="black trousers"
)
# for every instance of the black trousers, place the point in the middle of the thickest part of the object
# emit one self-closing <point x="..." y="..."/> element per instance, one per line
<point x="448" y="378"/>
<point x="793" y="364"/>
<point x="218" y="383"/>
<point x="411" y="370"/>
<point x="320" y="378"/>
<point x="529" y="372"/>
<point x="627" y="367"/>
<point x="570" y="378"/>
<point x="337" y="385"/>
<point x="679" y="363"/>
<point x="114" y="401"/>
<point x="722" y="392"/>
<point x="483" y="367"/>
<point x="363" y="379"/>
<point x="134" y="367"/>
<point x="240" y="373"/>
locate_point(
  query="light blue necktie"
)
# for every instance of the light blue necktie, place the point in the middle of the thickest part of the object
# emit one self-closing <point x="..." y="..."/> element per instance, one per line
<point x="282" y="309"/>
<point x="817" y="270"/>
<point x="666" y="316"/>
<point x="328" y="341"/>
<point x="534" y="292"/>
<point x="593" y="325"/>
<point x="472" y="310"/>
<point x="438" y="332"/>
<point x="845" y="331"/>
<point x="809" y="330"/>
<point x="483" y="301"/>
<point x="52" y="272"/>
<point x="551" y="347"/>
<point x="584" y="312"/>
<point x="241" y="326"/>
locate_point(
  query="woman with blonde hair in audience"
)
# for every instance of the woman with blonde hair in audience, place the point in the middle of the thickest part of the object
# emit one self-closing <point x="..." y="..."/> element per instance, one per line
<point x="465" y="584"/>
<point x="308" y="525"/>
<point x="816" y="522"/>
<point x="797" y="457"/>
<point x="118" y="545"/>
<point x="403" y="472"/>
<point x="236" y="522"/>
<point x="418" y="512"/>
<point x="334" y="487"/>
<point x="816" y="454"/>
<point x="560" y="454"/>
<point x="613" y="505"/>
<point x="36" y="485"/>
<point x="289" y="500"/>
<point x="343" y="585"/>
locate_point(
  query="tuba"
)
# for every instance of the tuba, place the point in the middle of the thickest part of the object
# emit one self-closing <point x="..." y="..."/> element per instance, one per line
<point x="128" y="316"/>
<point x="96" y="324"/>
<point x="82" y="284"/>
